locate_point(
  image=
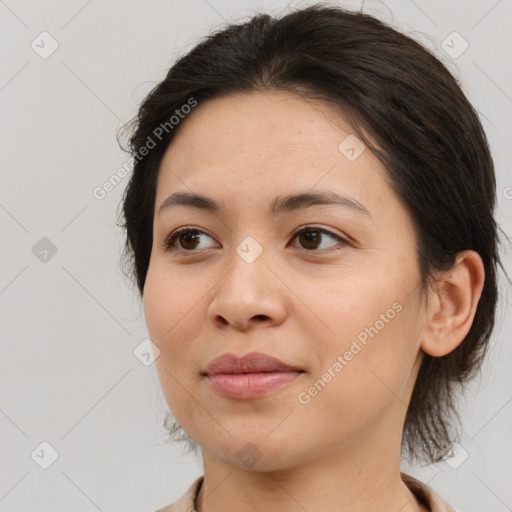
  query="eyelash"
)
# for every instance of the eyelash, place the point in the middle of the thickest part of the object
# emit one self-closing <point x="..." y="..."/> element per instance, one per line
<point x="169" y="243"/>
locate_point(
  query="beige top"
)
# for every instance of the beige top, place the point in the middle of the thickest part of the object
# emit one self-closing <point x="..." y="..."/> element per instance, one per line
<point x="423" y="493"/>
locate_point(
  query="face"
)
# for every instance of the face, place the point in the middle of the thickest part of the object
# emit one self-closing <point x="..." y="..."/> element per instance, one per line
<point x="330" y="289"/>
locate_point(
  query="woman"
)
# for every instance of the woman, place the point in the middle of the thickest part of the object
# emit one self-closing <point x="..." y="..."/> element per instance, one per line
<point x="310" y="225"/>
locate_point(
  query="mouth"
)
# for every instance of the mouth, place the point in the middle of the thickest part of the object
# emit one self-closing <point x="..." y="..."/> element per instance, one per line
<point x="251" y="376"/>
<point x="254" y="362"/>
<point x="250" y="385"/>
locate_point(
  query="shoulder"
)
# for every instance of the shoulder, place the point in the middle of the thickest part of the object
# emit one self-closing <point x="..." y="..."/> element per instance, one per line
<point x="426" y="495"/>
<point x="186" y="502"/>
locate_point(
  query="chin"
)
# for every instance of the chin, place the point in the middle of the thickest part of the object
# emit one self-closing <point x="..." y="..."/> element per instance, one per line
<point x="261" y="454"/>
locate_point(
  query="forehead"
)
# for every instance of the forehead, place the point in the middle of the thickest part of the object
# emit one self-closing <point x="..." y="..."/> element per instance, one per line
<point x="263" y="124"/>
<point x="251" y="147"/>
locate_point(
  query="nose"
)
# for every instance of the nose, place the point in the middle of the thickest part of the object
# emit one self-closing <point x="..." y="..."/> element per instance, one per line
<point x="249" y="295"/>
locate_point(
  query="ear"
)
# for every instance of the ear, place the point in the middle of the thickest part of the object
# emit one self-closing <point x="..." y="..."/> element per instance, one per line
<point x="452" y="304"/>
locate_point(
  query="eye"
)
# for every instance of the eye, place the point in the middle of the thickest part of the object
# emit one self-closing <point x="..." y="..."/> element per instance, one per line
<point x="187" y="237"/>
<point x="311" y="237"/>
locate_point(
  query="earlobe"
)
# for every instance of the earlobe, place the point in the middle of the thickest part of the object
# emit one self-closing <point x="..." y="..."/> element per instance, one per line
<point x="452" y="304"/>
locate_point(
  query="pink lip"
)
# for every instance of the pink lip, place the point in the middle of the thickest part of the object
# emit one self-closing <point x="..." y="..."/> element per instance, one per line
<point x="250" y="376"/>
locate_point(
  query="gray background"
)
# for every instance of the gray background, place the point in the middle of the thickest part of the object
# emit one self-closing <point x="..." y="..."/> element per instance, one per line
<point x="70" y="323"/>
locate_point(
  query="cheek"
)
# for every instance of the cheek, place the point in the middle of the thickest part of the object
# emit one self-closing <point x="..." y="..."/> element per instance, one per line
<point x="351" y="307"/>
<point x="368" y="342"/>
<point x="377" y="363"/>
<point x="171" y="309"/>
<point x="170" y="304"/>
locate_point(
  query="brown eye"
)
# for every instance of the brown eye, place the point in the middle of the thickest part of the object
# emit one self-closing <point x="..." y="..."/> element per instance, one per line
<point x="188" y="239"/>
<point x="311" y="238"/>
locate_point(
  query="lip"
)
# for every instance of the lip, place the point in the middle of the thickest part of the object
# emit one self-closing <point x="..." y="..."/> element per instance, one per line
<point x="254" y="362"/>
<point x="250" y="376"/>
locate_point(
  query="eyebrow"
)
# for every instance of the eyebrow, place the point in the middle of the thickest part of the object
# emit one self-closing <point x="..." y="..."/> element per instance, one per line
<point x="281" y="204"/>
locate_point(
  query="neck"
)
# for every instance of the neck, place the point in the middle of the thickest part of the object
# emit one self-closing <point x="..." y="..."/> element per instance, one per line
<point x="355" y="477"/>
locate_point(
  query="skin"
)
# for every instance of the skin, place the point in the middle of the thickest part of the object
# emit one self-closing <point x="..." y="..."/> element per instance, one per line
<point x="297" y="302"/>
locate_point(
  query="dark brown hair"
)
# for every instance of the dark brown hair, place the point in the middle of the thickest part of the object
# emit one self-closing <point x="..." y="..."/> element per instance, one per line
<point x="410" y="112"/>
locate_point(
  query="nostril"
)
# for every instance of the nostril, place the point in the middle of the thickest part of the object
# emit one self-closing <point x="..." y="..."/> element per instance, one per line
<point x="261" y="317"/>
